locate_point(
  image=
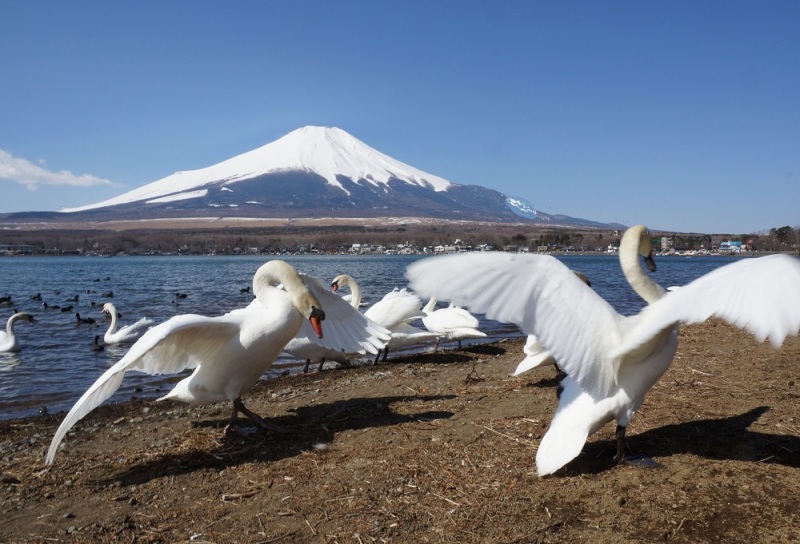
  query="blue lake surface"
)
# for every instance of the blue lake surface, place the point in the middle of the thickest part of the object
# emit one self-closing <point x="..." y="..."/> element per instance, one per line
<point x="57" y="364"/>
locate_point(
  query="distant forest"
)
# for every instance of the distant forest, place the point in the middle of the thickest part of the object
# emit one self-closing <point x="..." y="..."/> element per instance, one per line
<point x="332" y="239"/>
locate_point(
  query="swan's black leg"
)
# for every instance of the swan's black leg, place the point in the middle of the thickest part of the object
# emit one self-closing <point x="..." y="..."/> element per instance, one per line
<point x="238" y="406"/>
<point x="385" y="353"/>
<point x="624" y="458"/>
<point x="321" y="364"/>
<point x="232" y="424"/>
<point x="305" y="368"/>
<point x="436" y="346"/>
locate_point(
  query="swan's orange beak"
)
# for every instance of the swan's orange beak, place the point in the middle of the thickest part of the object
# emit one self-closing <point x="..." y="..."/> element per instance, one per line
<point x="316" y="318"/>
<point x="335" y="286"/>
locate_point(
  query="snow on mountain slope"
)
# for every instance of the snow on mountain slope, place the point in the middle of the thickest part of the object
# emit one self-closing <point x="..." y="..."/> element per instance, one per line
<point x="326" y="151"/>
<point x="523" y="208"/>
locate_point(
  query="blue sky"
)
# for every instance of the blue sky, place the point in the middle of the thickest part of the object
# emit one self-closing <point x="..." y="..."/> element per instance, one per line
<point x="681" y="115"/>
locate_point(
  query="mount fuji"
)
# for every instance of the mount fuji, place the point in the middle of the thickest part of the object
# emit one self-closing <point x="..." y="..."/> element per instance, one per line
<point x="313" y="172"/>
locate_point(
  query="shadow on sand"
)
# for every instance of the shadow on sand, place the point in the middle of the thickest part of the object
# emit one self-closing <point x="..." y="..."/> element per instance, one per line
<point x="310" y="425"/>
<point x="724" y="438"/>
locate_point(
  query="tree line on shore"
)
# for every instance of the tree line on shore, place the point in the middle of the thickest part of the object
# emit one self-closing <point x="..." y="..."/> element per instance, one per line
<point x="333" y="239"/>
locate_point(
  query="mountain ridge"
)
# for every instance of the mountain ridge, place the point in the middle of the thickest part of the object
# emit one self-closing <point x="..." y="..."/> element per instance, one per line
<point x="313" y="172"/>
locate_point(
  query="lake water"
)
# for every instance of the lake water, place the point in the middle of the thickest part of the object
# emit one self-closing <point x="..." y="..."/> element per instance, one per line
<point x="57" y="364"/>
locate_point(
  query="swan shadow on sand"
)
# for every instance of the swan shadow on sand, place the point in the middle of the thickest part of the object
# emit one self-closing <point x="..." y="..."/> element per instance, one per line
<point x="725" y="438"/>
<point x="312" y="426"/>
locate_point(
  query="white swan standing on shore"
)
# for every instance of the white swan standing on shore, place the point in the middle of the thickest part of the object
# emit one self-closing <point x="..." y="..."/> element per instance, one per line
<point x="451" y="323"/>
<point x="128" y="334"/>
<point x="395" y="311"/>
<point x="229" y="353"/>
<point x="312" y="351"/>
<point x="611" y="360"/>
<point x="8" y="340"/>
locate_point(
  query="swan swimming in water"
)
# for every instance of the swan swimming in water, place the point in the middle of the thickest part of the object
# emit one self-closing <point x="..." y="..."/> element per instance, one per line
<point x="611" y="360"/>
<point x="8" y="340"/>
<point x="394" y="311"/>
<point x="128" y="334"/>
<point x="229" y="353"/>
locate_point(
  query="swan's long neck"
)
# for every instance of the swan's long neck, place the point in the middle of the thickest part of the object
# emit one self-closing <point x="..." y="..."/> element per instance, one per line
<point x="275" y="273"/>
<point x="636" y="242"/>
<point x="10" y="325"/>
<point x="114" y="321"/>
<point x="355" y="291"/>
<point x="343" y="280"/>
<point x="430" y="305"/>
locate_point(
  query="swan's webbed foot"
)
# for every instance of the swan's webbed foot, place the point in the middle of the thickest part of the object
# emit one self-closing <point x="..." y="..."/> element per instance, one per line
<point x="623" y="457"/>
<point x="238" y="406"/>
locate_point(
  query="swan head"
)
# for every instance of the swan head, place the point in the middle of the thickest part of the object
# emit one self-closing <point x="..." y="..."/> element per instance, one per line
<point x="275" y="273"/>
<point x="108" y="308"/>
<point x="342" y="280"/>
<point x="22" y="316"/>
<point x="639" y="238"/>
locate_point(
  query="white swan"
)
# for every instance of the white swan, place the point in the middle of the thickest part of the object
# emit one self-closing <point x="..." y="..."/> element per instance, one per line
<point x="451" y="323"/>
<point x="394" y="311"/>
<point x="306" y="348"/>
<point x="8" y="340"/>
<point x="611" y="360"/>
<point x="229" y="353"/>
<point x="127" y="334"/>
<point x="312" y="351"/>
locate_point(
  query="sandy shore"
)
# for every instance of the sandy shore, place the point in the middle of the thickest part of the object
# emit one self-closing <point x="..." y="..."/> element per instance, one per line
<point x="429" y="448"/>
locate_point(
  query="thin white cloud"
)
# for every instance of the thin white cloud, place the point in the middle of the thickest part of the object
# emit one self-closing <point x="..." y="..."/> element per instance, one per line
<point x="30" y="175"/>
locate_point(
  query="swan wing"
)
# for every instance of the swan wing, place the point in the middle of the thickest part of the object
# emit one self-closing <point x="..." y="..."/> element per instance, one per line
<point x="129" y="333"/>
<point x="404" y="334"/>
<point x="143" y="323"/>
<point x="541" y="296"/>
<point x="578" y="415"/>
<point x="345" y="328"/>
<point x="395" y="307"/>
<point x="179" y="343"/>
<point x="535" y="356"/>
<point x="761" y="296"/>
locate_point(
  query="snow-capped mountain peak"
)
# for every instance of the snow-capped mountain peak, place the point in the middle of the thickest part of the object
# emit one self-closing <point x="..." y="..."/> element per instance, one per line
<point x="326" y="151"/>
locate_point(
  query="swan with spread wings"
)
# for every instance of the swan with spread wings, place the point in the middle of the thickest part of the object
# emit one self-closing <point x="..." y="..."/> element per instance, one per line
<point x="611" y="360"/>
<point x="229" y="353"/>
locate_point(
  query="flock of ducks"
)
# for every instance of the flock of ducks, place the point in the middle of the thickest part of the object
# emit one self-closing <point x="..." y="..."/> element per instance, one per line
<point x="609" y="361"/>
